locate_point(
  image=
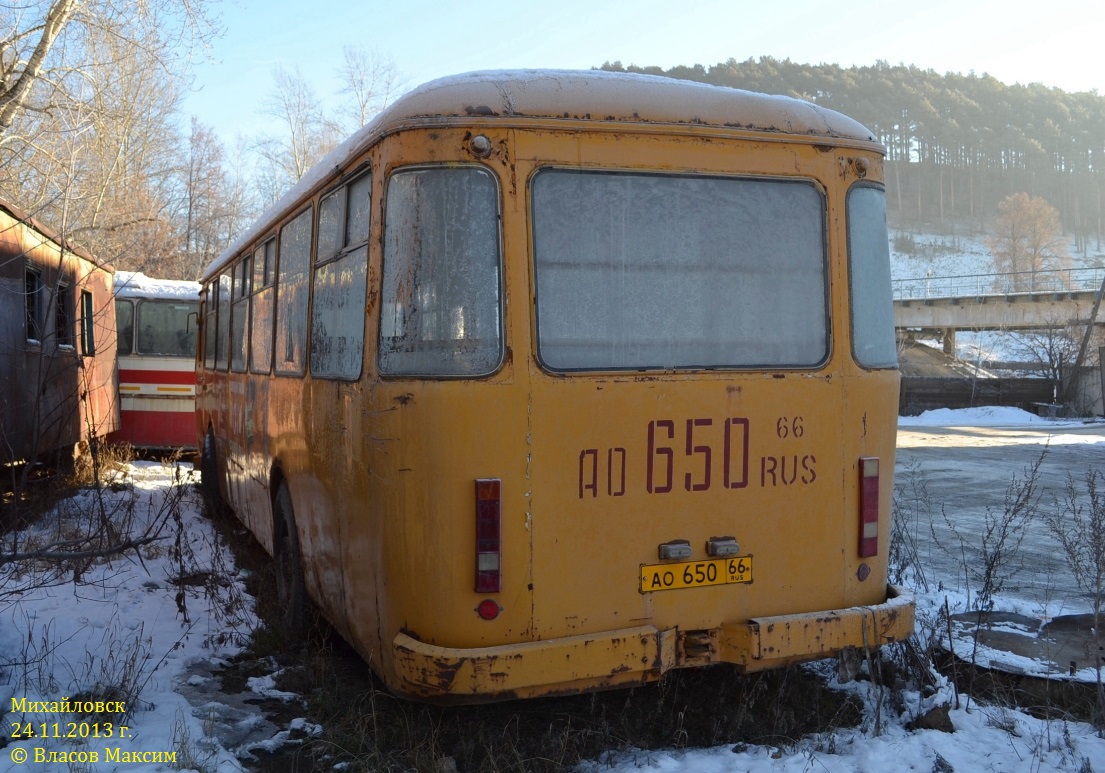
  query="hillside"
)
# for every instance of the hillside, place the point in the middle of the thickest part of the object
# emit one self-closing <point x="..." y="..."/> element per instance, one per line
<point x="956" y="144"/>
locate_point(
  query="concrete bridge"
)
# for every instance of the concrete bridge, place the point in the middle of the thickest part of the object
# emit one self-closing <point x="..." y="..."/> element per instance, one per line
<point x="1020" y="301"/>
<point x="939" y="306"/>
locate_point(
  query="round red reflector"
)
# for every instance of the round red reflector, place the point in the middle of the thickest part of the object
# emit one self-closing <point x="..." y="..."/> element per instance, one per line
<point x="488" y="609"/>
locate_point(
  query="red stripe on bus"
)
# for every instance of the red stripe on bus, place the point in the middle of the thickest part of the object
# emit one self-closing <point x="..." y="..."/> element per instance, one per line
<point x="157" y="376"/>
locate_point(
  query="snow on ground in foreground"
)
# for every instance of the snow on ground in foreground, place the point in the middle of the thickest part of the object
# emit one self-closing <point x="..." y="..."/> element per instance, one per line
<point x="121" y="623"/>
<point x="985" y="739"/>
<point x="74" y="633"/>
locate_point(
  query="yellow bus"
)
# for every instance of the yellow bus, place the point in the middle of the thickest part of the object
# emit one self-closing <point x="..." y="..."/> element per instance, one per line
<point x="547" y="382"/>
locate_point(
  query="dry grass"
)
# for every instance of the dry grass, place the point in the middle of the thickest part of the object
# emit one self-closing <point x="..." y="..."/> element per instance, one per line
<point x="371" y="730"/>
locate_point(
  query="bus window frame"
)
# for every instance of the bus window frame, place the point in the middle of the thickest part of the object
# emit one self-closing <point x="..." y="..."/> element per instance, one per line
<point x="826" y="271"/>
<point x="121" y="330"/>
<point x="210" y="320"/>
<point x="341" y="191"/>
<point x="64" y="316"/>
<point x="240" y="296"/>
<point x="268" y="249"/>
<point x="852" y="293"/>
<point x="137" y="305"/>
<point x="500" y="290"/>
<point x="277" y="318"/>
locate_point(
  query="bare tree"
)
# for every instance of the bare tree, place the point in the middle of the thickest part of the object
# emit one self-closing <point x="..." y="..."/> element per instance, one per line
<point x="211" y="204"/>
<point x="89" y="94"/>
<point x="306" y="133"/>
<point x="370" y="81"/>
<point x="24" y="51"/>
<point x="1029" y="239"/>
<point x="1054" y="347"/>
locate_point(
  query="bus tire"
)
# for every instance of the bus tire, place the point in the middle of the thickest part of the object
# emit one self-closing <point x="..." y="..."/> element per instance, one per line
<point x="209" y="476"/>
<point x="291" y="591"/>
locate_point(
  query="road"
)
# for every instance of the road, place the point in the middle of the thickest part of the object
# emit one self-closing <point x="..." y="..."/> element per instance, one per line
<point x="967" y="472"/>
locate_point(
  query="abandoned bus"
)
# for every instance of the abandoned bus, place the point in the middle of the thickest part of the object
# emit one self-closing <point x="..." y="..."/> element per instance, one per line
<point x="57" y="342"/>
<point x="547" y="382"/>
<point x="156" y="320"/>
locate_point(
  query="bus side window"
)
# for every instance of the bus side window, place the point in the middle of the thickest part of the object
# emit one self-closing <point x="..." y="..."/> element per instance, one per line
<point x="239" y="313"/>
<point x="440" y="310"/>
<point x="341" y="277"/>
<point x="260" y="353"/>
<point x="222" y="342"/>
<point x="873" y="340"/>
<point x="291" y="295"/>
<point x="124" y="322"/>
<point x="210" y="304"/>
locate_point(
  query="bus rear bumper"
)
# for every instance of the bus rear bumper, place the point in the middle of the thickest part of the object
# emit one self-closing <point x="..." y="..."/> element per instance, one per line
<point x="628" y="656"/>
<point x="769" y="642"/>
<point x="561" y="666"/>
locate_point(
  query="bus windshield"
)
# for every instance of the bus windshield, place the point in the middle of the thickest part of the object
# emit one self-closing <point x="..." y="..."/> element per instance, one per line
<point x="164" y="328"/>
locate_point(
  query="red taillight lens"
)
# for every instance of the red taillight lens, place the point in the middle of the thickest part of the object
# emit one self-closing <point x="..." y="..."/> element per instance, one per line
<point x="488" y="536"/>
<point x="868" y="506"/>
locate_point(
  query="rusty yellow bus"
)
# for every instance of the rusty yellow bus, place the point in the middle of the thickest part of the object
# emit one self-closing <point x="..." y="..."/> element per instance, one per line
<point x="547" y="382"/>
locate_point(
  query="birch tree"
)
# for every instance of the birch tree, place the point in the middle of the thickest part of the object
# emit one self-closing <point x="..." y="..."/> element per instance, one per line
<point x="89" y="100"/>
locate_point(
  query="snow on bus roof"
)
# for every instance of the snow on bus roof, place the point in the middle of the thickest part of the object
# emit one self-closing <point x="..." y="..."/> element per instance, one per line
<point x="135" y="284"/>
<point x="568" y="95"/>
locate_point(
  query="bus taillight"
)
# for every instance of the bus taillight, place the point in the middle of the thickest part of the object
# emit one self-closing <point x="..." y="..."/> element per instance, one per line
<point x="868" y="506"/>
<point x="488" y="541"/>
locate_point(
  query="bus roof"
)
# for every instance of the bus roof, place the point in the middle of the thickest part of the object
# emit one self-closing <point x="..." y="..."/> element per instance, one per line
<point x="135" y="284"/>
<point x="570" y="95"/>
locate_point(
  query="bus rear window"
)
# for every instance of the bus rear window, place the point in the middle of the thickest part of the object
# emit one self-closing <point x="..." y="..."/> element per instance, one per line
<point x="440" y="311"/>
<point x="648" y="271"/>
<point x="167" y="328"/>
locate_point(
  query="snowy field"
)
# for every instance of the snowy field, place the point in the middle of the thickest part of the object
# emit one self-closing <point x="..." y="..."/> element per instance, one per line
<point x="150" y="621"/>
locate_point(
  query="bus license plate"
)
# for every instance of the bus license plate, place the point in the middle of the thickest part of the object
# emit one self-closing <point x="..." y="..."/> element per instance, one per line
<point x="696" y="574"/>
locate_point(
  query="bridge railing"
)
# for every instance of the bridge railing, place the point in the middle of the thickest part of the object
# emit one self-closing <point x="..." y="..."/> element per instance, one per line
<point x="1020" y="282"/>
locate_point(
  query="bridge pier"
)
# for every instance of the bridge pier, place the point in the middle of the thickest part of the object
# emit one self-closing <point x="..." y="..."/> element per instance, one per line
<point x="949" y="341"/>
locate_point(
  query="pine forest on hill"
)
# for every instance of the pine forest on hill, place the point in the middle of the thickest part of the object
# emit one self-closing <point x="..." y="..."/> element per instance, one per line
<point x="956" y="144"/>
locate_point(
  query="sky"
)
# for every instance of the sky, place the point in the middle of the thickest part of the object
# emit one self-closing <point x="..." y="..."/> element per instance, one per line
<point x="1057" y="43"/>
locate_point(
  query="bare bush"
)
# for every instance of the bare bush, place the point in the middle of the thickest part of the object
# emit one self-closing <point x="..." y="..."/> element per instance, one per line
<point x="912" y="509"/>
<point x="992" y="557"/>
<point x="1080" y="528"/>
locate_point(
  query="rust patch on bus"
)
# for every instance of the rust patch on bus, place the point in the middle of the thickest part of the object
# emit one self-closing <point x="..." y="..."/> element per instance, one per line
<point x="404" y="398"/>
<point x="479" y="110"/>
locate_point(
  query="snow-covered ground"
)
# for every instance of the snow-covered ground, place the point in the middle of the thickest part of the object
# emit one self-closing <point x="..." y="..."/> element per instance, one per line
<point x="129" y="621"/>
<point x="920" y="255"/>
<point x="937" y="255"/>
<point x="149" y="621"/>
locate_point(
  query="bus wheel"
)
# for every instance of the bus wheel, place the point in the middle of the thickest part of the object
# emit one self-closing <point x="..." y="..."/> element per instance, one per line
<point x="291" y="592"/>
<point x="209" y="476"/>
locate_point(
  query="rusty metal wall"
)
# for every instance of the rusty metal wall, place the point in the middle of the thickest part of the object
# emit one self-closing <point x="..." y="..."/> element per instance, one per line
<point x="52" y="393"/>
